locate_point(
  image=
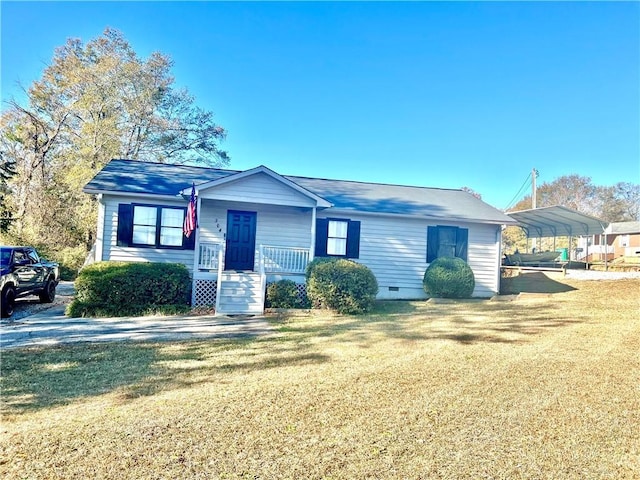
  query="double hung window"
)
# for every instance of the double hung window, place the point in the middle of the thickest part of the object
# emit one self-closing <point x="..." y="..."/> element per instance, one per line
<point x="337" y="237"/>
<point x="157" y="226"/>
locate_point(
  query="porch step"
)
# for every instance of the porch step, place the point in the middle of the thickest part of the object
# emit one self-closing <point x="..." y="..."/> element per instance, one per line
<point x="240" y="293"/>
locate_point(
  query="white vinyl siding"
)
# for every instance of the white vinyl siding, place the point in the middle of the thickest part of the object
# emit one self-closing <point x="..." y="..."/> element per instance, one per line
<point x="259" y="189"/>
<point x="394" y="249"/>
<point x="111" y="251"/>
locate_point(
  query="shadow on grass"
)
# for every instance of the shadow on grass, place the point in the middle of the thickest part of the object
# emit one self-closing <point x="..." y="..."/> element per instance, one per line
<point x="38" y="378"/>
<point x="533" y="282"/>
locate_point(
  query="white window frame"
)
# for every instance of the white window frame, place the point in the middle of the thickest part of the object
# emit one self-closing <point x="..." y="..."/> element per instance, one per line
<point x="336" y="240"/>
<point x="158" y="227"/>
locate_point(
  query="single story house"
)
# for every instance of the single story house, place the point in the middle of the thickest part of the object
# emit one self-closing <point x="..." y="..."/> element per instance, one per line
<point x="258" y="226"/>
<point x="620" y="239"/>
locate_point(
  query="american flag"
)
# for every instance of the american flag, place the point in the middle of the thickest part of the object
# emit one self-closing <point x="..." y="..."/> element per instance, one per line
<point x="191" y="220"/>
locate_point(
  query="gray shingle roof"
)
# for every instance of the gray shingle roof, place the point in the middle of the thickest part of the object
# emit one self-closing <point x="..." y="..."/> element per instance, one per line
<point x="134" y="177"/>
<point x="619" y="228"/>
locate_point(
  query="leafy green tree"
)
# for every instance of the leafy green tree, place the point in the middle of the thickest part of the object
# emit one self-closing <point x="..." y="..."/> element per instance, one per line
<point x="94" y="102"/>
<point x="620" y="202"/>
<point x="7" y="170"/>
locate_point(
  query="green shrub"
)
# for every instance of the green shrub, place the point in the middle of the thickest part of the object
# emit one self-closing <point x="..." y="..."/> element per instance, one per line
<point x="123" y="288"/>
<point x="284" y="294"/>
<point x="315" y="262"/>
<point x="341" y="285"/>
<point x="449" y="277"/>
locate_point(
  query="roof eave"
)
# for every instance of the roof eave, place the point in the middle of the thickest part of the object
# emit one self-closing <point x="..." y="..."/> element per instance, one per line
<point x="96" y="191"/>
<point x="426" y="217"/>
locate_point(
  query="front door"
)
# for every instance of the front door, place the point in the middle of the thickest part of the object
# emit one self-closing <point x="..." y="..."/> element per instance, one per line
<point x="241" y="240"/>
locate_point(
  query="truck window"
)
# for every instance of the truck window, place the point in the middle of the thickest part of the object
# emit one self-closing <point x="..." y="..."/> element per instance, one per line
<point x="18" y="256"/>
<point x="33" y="256"/>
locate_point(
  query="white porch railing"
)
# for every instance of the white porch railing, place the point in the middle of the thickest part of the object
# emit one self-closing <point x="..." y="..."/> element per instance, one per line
<point x="284" y="259"/>
<point x="274" y="259"/>
<point x="208" y="256"/>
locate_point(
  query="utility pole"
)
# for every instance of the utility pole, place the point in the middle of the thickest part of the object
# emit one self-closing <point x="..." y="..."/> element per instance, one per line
<point x="534" y="190"/>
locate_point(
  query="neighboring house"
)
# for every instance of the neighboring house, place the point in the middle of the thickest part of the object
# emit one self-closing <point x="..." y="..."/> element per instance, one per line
<point x="257" y="226"/>
<point x="620" y="239"/>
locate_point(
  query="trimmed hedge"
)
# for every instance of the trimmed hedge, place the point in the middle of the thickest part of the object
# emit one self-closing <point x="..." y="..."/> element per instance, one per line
<point x="449" y="277"/>
<point x="341" y="285"/>
<point x="315" y="262"/>
<point x="127" y="289"/>
<point x="284" y="294"/>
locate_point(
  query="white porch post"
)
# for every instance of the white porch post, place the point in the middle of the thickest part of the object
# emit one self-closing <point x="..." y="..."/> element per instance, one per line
<point x="313" y="234"/>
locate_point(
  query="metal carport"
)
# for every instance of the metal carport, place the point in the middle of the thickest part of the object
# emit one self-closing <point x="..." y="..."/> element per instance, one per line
<point x="557" y="221"/>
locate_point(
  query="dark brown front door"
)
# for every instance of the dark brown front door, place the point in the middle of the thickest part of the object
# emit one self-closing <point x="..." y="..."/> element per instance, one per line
<point x="241" y="240"/>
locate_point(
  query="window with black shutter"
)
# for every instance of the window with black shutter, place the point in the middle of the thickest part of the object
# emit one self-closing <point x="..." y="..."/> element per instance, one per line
<point x="337" y="237"/>
<point x="446" y="241"/>
<point x="154" y="226"/>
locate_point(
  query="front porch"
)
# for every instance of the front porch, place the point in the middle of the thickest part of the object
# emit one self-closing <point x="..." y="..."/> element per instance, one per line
<point x="243" y="292"/>
<point x="253" y="227"/>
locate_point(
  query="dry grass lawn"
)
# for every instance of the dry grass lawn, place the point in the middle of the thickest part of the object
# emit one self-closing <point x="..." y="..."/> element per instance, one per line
<point x="543" y="387"/>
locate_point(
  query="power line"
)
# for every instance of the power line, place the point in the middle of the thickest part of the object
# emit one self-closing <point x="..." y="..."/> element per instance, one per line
<point x="526" y="184"/>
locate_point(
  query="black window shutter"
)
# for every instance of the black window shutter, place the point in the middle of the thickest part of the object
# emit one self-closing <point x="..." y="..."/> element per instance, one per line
<point x="462" y="240"/>
<point x="353" y="239"/>
<point x="125" y="224"/>
<point x="189" y="243"/>
<point x="322" y="232"/>
<point x="432" y="244"/>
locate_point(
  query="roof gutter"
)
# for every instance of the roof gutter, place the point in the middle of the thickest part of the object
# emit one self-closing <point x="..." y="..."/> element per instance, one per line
<point x="115" y="193"/>
<point x="425" y="217"/>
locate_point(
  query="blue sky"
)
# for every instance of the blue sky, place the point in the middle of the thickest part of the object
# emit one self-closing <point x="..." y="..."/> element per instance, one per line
<point x="444" y="95"/>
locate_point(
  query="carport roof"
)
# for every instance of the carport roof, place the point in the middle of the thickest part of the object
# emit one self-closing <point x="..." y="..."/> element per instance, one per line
<point x="557" y="221"/>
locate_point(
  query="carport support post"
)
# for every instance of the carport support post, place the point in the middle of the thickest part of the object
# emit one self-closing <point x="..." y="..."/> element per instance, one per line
<point x="586" y="257"/>
<point x="570" y="244"/>
<point x="606" y="253"/>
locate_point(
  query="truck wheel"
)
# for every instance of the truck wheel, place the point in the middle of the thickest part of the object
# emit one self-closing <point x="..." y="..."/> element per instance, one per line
<point x="8" y="301"/>
<point x="48" y="293"/>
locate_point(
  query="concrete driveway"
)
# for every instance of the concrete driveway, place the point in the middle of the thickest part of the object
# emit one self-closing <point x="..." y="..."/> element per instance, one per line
<point x="50" y="326"/>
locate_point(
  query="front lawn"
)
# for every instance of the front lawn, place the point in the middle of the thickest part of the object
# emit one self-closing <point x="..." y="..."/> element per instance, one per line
<point x="545" y="386"/>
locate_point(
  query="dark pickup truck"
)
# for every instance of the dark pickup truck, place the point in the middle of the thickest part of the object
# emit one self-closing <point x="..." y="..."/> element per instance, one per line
<point x="25" y="273"/>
